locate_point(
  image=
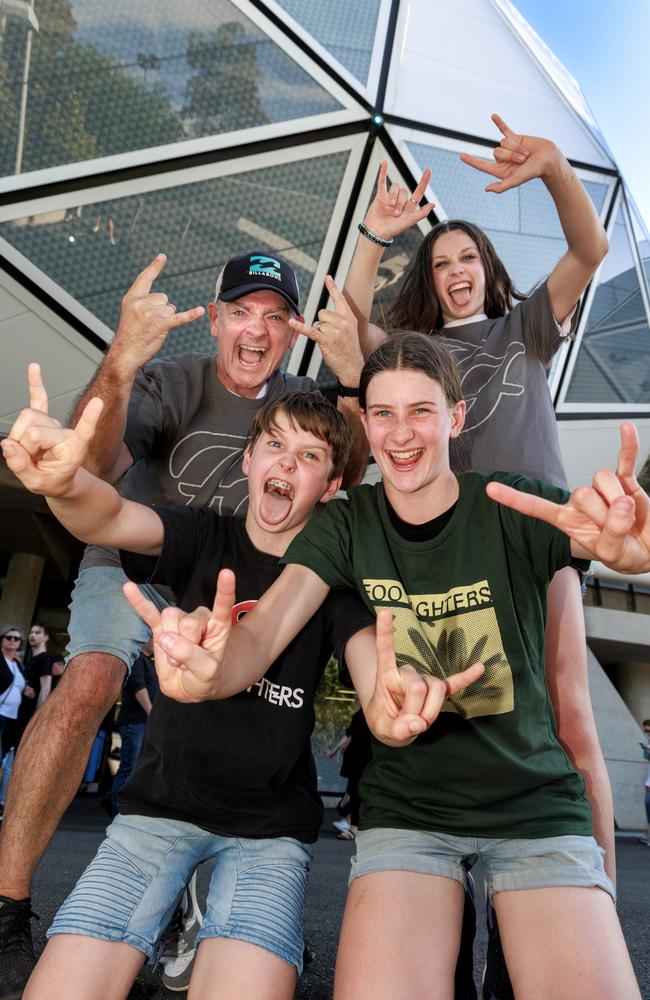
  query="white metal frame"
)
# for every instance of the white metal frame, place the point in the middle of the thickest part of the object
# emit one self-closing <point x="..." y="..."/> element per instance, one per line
<point x="71" y="199"/>
<point x="351" y="111"/>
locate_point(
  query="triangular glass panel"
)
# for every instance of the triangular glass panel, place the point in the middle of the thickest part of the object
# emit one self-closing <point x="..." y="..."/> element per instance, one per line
<point x="111" y="78"/>
<point x="344" y="28"/>
<point x="522" y="224"/>
<point x="613" y="363"/>
<point x="94" y="252"/>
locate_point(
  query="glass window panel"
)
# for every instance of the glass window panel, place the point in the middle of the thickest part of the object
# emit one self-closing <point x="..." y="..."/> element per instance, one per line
<point x="597" y="192"/>
<point x="95" y="252"/>
<point x="613" y="365"/>
<point x="345" y="27"/>
<point x="106" y="78"/>
<point x="522" y="223"/>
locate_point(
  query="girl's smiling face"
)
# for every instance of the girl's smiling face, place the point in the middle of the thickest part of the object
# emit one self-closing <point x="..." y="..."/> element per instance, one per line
<point x="409" y="422"/>
<point x="458" y="276"/>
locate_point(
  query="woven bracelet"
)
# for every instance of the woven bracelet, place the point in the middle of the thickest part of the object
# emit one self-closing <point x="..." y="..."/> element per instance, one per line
<point x="373" y="236"/>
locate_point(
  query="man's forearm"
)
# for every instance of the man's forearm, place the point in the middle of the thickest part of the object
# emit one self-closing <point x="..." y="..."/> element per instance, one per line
<point x="113" y="383"/>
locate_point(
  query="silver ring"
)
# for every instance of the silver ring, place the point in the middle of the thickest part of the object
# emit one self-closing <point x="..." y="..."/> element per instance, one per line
<point x="316" y="325"/>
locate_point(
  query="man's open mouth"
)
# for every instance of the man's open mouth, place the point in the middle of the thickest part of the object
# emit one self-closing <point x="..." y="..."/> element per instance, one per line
<point x="250" y="356"/>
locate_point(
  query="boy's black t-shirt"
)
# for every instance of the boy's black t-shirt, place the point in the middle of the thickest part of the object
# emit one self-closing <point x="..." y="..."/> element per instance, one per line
<point x="242" y="766"/>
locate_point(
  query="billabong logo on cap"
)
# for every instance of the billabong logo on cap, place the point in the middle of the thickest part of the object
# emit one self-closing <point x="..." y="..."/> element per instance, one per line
<point x="267" y="266"/>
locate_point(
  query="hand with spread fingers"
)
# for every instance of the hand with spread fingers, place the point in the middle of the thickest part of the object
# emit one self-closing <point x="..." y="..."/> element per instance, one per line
<point x="394" y="209"/>
<point x="335" y="332"/>
<point x="147" y="317"/>
<point x="608" y="521"/>
<point x="517" y="159"/>
<point x="189" y="647"/>
<point x="405" y="703"/>
<point x="43" y="455"/>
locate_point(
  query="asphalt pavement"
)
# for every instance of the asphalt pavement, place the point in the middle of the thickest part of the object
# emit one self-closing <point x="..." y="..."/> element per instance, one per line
<point x="83" y="827"/>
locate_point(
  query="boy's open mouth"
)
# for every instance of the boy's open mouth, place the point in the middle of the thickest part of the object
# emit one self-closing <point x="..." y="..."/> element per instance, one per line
<point x="277" y="500"/>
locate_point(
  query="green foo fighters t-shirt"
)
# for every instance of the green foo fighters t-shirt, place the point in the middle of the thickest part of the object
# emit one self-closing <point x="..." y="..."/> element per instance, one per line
<point x="491" y="765"/>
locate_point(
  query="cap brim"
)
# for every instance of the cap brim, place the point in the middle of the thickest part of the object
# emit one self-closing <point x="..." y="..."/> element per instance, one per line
<point x="258" y="286"/>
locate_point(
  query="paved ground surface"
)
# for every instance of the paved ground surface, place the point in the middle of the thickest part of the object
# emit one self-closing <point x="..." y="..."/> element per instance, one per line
<point x="83" y="826"/>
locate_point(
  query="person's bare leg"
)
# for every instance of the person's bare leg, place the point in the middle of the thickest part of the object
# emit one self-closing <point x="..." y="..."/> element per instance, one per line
<point x="50" y="763"/>
<point x="564" y="944"/>
<point x="74" y="965"/>
<point x="227" y="969"/>
<point x="400" y="938"/>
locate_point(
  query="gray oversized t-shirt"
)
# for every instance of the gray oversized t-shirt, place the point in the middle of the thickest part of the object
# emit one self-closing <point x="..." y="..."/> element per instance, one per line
<point x="187" y="436"/>
<point x="510" y="424"/>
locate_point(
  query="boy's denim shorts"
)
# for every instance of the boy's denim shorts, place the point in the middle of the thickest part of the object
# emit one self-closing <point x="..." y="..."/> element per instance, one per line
<point x="132" y="886"/>
<point x="508" y="864"/>
<point x="101" y="618"/>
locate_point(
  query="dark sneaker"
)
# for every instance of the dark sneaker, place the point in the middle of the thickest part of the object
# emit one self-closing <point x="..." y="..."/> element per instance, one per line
<point x="17" y="958"/>
<point x="496" y="981"/>
<point x="178" y="947"/>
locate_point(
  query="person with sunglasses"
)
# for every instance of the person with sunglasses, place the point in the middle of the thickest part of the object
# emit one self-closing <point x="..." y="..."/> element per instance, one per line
<point x="12" y="679"/>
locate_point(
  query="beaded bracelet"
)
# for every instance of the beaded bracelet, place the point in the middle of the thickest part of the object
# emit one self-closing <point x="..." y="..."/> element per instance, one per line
<point x="373" y="236"/>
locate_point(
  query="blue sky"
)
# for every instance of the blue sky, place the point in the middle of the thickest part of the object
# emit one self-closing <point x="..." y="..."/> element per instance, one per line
<point x="605" y="45"/>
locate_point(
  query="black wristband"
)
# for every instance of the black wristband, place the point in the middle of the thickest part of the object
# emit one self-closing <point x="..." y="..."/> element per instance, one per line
<point x="347" y="390"/>
<point x="379" y="240"/>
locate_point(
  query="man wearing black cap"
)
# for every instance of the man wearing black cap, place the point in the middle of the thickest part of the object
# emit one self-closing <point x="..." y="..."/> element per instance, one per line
<point x="176" y="429"/>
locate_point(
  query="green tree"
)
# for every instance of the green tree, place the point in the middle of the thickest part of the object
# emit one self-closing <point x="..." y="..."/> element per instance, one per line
<point x="223" y="94"/>
<point x="81" y="102"/>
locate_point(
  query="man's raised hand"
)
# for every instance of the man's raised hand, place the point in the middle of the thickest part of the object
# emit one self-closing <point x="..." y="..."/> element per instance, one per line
<point x="405" y="703"/>
<point x="147" y="317"/>
<point x="394" y="209"/>
<point x="189" y="648"/>
<point x="42" y="454"/>
<point x="608" y="521"/>
<point x="335" y="332"/>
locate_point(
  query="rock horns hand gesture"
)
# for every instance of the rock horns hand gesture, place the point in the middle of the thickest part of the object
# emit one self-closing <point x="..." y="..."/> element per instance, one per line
<point x="41" y="453"/>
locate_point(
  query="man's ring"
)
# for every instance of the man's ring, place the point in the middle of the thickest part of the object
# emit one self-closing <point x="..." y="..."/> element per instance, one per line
<point x="317" y="325"/>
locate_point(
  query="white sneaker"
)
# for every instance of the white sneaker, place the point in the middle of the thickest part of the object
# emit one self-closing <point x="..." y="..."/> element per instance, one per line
<point x="178" y="944"/>
<point x="341" y="824"/>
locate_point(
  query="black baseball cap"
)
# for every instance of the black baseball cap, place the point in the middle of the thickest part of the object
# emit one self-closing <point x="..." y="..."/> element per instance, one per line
<point x="251" y="272"/>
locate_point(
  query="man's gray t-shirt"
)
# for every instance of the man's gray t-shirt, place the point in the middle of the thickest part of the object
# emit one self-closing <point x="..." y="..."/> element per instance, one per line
<point x="187" y="436"/>
<point x="510" y="424"/>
